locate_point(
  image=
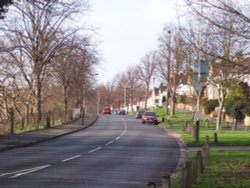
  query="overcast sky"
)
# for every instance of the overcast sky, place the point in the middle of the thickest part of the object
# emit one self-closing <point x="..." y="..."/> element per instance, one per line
<point x="128" y="29"/>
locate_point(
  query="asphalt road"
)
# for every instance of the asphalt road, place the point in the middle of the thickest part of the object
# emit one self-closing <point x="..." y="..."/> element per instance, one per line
<point x="116" y="152"/>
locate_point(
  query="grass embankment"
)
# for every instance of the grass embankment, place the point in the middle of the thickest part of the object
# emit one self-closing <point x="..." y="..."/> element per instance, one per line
<point x="225" y="169"/>
<point x="225" y="137"/>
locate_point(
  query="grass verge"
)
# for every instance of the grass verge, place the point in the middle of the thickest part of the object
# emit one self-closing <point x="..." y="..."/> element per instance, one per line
<point x="225" y="138"/>
<point x="226" y="169"/>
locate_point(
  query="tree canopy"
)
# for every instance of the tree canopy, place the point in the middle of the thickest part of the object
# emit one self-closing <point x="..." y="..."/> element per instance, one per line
<point x="3" y="5"/>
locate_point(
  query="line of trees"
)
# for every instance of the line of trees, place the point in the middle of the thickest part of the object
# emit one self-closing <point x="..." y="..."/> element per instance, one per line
<point x="46" y="63"/>
<point x="212" y="30"/>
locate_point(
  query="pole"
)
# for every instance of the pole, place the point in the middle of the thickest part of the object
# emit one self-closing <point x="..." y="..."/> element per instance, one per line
<point x="199" y="85"/>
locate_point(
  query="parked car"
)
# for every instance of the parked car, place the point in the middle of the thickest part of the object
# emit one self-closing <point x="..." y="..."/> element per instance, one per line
<point x="139" y="114"/>
<point x="116" y="111"/>
<point x="122" y="112"/>
<point x="149" y="117"/>
<point x="106" y="110"/>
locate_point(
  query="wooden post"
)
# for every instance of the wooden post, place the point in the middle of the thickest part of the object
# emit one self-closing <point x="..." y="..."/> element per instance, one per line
<point x="151" y="185"/>
<point x="215" y="138"/>
<point x="207" y="123"/>
<point x="166" y="181"/>
<point x="197" y="131"/>
<point x="207" y="146"/>
<point x="194" y="172"/>
<point x="199" y="163"/>
<point x="186" y="176"/>
<point x="207" y="141"/>
<point x="204" y="157"/>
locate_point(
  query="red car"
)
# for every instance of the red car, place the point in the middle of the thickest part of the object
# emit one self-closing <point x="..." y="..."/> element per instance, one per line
<point x="106" y="110"/>
<point x="149" y="117"/>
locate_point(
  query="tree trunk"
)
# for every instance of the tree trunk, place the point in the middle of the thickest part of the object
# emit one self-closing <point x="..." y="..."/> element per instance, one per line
<point x="65" y="100"/>
<point x="172" y="112"/>
<point x="218" y="120"/>
<point x="222" y="93"/>
<point x="39" y="102"/>
<point x="167" y="101"/>
<point x="146" y="98"/>
<point x="235" y="124"/>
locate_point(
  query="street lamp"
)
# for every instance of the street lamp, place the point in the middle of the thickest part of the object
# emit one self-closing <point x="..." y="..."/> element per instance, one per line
<point x="200" y="70"/>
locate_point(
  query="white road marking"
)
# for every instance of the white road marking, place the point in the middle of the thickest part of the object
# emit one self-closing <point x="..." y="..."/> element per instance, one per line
<point x="30" y="170"/>
<point x="71" y="158"/>
<point x="111" y="142"/>
<point x="122" y="134"/>
<point x="27" y="171"/>
<point x="94" y="150"/>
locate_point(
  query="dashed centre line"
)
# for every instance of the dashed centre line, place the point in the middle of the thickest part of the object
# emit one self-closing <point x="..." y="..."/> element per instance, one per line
<point x="71" y="158"/>
<point x="91" y="151"/>
<point x="16" y="174"/>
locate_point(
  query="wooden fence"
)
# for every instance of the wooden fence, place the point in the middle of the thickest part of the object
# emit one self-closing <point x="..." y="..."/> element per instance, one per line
<point x="190" y="171"/>
<point x="49" y="119"/>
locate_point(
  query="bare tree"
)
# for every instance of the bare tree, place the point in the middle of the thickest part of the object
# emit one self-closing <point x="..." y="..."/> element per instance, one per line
<point x="106" y="92"/>
<point x="73" y="70"/>
<point x="131" y="85"/>
<point x="230" y="17"/>
<point x="145" y="71"/>
<point x="37" y="38"/>
<point x="173" y="63"/>
<point x="223" y="36"/>
<point x="3" y="7"/>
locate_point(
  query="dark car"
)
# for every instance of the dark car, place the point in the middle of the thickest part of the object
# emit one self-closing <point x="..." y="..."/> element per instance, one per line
<point x="149" y="117"/>
<point x="139" y="114"/>
<point x="122" y="112"/>
<point x="106" y="110"/>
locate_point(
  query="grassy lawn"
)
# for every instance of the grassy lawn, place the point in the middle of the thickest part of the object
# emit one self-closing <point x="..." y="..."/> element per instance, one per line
<point x="179" y="119"/>
<point x="225" y="138"/>
<point x="226" y="169"/>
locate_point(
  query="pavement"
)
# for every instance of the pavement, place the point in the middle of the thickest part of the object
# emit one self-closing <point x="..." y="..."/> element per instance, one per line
<point x="12" y="141"/>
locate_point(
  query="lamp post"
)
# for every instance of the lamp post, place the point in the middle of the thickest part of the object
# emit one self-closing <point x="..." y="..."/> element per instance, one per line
<point x="200" y="76"/>
<point x="168" y="72"/>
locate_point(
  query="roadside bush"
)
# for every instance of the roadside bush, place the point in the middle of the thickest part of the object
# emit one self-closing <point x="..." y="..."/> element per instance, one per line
<point x="247" y="109"/>
<point x="230" y="102"/>
<point x="237" y="110"/>
<point x="181" y="99"/>
<point x="210" y="105"/>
